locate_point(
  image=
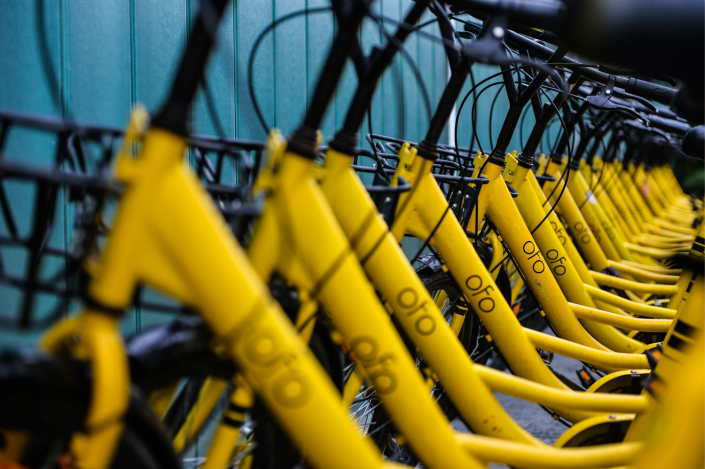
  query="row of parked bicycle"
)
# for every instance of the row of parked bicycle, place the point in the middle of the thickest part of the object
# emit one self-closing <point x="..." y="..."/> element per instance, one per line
<point x="304" y="334"/>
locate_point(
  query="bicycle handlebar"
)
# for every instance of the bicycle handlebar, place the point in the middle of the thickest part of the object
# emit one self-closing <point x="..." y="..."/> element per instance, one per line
<point x="650" y="35"/>
<point x="543" y="15"/>
<point x="173" y="115"/>
<point x="669" y="125"/>
<point x="645" y="89"/>
<point x="658" y="119"/>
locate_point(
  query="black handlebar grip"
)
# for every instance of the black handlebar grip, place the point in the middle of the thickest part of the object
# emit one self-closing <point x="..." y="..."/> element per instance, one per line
<point x="667" y="113"/>
<point x="652" y="91"/>
<point x="694" y="142"/>
<point x="669" y="125"/>
<point x="543" y="15"/>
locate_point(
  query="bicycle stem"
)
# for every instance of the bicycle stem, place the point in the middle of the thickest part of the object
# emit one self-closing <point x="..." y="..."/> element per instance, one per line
<point x="173" y="115"/>
<point x="304" y="139"/>
<point x="346" y="139"/>
<point x="545" y="118"/>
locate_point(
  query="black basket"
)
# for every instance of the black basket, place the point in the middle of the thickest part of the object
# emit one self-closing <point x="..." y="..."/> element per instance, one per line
<point x="451" y="169"/>
<point x="48" y="207"/>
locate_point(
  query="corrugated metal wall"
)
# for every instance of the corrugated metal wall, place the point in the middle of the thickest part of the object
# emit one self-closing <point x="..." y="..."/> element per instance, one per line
<point x="91" y="60"/>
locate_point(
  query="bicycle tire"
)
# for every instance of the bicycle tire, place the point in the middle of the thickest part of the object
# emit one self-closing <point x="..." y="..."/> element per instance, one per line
<point x="50" y="398"/>
<point x="272" y="449"/>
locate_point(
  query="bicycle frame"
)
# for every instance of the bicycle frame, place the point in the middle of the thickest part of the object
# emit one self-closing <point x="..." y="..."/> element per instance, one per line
<point x="603" y="299"/>
<point x="390" y="272"/>
<point x="424" y="209"/>
<point x="508" y="221"/>
<point x="557" y="259"/>
<point x="567" y="207"/>
<point x="321" y="232"/>
<point x="353" y="207"/>
<point x="163" y="209"/>
<point x="298" y="236"/>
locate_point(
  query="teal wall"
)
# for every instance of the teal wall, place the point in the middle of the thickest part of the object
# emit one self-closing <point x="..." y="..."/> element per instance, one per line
<point x="91" y="60"/>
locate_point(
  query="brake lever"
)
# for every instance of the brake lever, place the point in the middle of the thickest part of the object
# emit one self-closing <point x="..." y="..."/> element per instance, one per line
<point x="620" y="92"/>
<point x="602" y="102"/>
<point x="603" y="96"/>
<point x="608" y="106"/>
<point x="488" y="48"/>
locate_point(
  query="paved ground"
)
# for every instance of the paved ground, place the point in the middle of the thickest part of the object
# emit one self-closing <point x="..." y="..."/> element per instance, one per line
<point x="530" y="416"/>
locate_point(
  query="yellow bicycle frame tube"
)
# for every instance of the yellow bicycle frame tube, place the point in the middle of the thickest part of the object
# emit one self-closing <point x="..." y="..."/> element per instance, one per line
<point x="551" y="397"/>
<point x="390" y="271"/>
<point x="227" y="434"/>
<point x="557" y="258"/>
<point x="673" y="433"/>
<point x="606" y="300"/>
<point x="579" y="195"/>
<point x="208" y="397"/>
<point x="581" y="192"/>
<point x="634" y="197"/>
<point x="677" y="384"/>
<point x="523" y="456"/>
<point x="495" y="200"/>
<point x="424" y="209"/>
<point x="100" y="343"/>
<point x="610" y="186"/>
<point x="622" y="231"/>
<point x="298" y="236"/>
<point x="576" y="223"/>
<point x="624" y="322"/>
<point x="581" y="231"/>
<point x="163" y="209"/>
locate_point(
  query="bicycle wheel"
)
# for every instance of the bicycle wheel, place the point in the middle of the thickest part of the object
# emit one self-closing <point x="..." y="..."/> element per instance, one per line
<point x="48" y="398"/>
<point x="269" y="445"/>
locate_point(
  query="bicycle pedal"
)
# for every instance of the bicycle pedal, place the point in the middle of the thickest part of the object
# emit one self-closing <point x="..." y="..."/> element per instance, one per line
<point x="586" y="378"/>
<point x="546" y="356"/>
<point x="654" y="355"/>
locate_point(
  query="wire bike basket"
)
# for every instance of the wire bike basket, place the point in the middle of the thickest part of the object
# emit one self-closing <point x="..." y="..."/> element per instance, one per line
<point x="55" y="180"/>
<point x="450" y="170"/>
